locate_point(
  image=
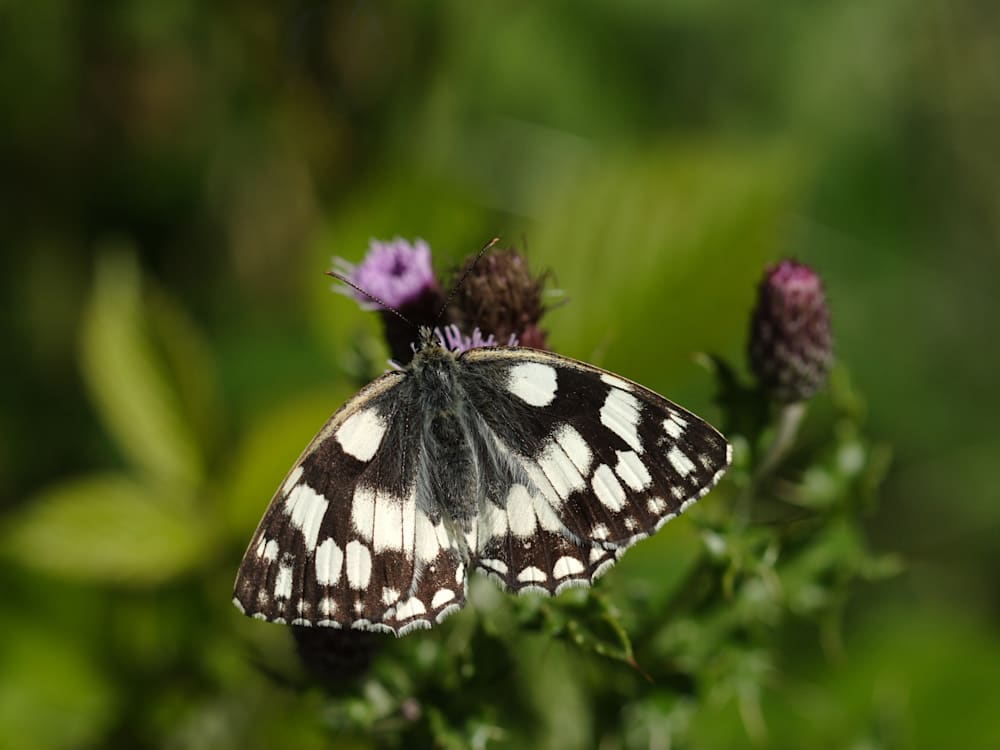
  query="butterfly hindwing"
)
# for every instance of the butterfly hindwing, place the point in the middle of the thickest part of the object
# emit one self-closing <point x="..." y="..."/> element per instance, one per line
<point x="343" y="542"/>
<point x="599" y="463"/>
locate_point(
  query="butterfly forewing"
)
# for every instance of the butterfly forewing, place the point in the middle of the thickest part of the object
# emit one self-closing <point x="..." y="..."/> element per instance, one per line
<point x="607" y="462"/>
<point x="343" y="543"/>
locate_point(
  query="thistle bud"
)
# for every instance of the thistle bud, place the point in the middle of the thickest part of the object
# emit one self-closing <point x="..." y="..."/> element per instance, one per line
<point x="790" y="344"/>
<point x="501" y="297"/>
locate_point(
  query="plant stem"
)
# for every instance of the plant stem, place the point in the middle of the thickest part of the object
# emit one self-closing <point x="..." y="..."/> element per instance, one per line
<point x="785" y="433"/>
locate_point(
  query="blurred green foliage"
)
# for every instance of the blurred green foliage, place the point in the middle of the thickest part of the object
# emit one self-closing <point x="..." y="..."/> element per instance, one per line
<point x="176" y="178"/>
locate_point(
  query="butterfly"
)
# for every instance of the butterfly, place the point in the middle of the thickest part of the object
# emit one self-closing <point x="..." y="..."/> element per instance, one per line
<point x="533" y="468"/>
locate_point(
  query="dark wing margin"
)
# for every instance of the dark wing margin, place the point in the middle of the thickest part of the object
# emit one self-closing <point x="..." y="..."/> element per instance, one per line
<point x="602" y="462"/>
<point x="343" y="542"/>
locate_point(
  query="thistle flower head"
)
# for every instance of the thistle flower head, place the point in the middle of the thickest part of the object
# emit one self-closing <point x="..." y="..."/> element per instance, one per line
<point x="452" y="339"/>
<point x="790" y="344"/>
<point x="501" y="295"/>
<point x="396" y="271"/>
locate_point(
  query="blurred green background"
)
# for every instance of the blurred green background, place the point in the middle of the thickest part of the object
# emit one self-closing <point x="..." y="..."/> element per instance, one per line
<point x="177" y="176"/>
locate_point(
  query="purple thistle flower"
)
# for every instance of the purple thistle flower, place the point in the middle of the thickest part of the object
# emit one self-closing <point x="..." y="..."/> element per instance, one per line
<point x="396" y="272"/>
<point x="791" y="350"/>
<point x="452" y="339"/>
<point x="400" y="274"/>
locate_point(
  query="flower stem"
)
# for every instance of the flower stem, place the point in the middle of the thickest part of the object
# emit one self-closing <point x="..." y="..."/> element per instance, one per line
<point x="788" y="427"/>
<point x="789" y="419"/>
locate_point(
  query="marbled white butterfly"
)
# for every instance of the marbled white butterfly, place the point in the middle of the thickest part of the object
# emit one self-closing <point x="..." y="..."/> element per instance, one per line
<point x="537" y="469"/>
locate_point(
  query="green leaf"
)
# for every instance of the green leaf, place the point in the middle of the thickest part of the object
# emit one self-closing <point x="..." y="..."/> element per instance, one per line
<point x="189" y="367"/>
<point x="665" y="246"/>
<point x="127" y="380"/>
<point x="268" y="451"/>
<point x="108" y="529"/>
<point x="588" y="620"/>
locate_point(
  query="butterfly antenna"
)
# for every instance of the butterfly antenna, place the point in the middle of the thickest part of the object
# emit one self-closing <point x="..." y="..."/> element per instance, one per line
<point x="373" y="298"/>
<point x="461" y="281"/>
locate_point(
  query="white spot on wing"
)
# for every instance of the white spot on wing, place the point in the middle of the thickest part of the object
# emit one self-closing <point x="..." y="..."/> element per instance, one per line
<point x="672" y="428"/>
<point x="616" y="382"/>
<point x="442" y="535"/>
<point x="520" y="512"/>
<point x="363" y="512"/>
<point x="607" y="488"/>
<point x="283" y="582"/>
<point x="472" y="537"/>
<point x="498" y="566"/>
<point x="575" y="447"/>
<point x="329" y="561"/>
<point x="442" y="597"/>
<point x="270" y="551"/>
<point x="542" y="483"/>
<point x="531" y="574"/>
<point x="411" y="626"/>
<point x="447" y="612"/>
<point x="361" y="434"/>
<point x="620" y="414"/>
<point x="681" y="463"/>
<point x="425" y="544"/>
<point x="307" y="509"/>
<point x="547" y="517"/>
<point x="292" y="480"/>
<point x="560" y="470"/>
<point x="663" y="520"/>
<point x="492" y="522"/>
<point x="410" y="608"/>
<point x="327" y="607"/>
<point x="567" y="566"/>
<point x="656" y="505"/>
<point x="388" y="523"/>
<point x="409" y="520"/>
<point x="533" y="383"/>
<point x="632" y="470"/>
<point x="358" y="565"/>
<point x="389" y="595"/>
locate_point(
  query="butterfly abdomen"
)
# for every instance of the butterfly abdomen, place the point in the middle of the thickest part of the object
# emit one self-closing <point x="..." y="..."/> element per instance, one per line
<point x="449" y="464"/>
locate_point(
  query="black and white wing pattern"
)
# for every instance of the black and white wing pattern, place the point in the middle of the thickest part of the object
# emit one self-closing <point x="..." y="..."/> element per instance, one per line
<point x="343" y="543"/>
<point x="534" y="468"/>
<point x="600" y="463"/>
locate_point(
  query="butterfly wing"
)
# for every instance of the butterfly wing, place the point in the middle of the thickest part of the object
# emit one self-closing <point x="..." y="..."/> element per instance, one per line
<point x="343" y="542"/>
<point x="590" y="463"/>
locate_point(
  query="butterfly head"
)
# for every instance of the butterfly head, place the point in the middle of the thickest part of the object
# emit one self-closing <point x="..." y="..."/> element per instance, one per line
<point x="427" y="341"/>
<point x="430" y="352"/>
